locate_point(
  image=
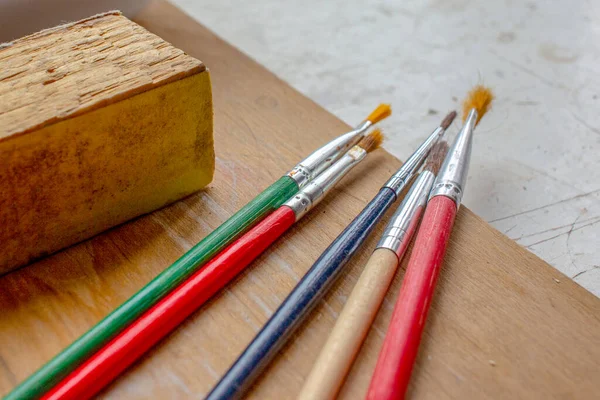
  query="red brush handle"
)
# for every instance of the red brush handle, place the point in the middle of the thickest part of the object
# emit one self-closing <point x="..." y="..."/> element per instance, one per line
<point x="106" y="364"/>
<point x="395" y="363"/>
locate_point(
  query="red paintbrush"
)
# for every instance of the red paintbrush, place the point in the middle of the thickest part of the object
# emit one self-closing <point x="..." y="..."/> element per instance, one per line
<point x="395" y="363"/>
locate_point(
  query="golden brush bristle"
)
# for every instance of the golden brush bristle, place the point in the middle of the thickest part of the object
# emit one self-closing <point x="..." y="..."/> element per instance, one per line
<point x="381" y="112"/>
<point x="436" y="157"/>
<point x="372" y="141"/>
<point x="480" y="98"/>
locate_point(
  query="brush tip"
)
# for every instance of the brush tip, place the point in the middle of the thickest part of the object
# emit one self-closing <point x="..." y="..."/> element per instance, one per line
<point x="372" y="141"/>
<point x="479" y="98"/>
<point x="448" y="120"/>
<point x="381" y="112"/>
<point x="436" y="157"/>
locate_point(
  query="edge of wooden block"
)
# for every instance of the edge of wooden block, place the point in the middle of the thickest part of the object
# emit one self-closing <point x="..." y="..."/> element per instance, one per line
<point x="199" y="68"/>
<point x="52" y="230"/>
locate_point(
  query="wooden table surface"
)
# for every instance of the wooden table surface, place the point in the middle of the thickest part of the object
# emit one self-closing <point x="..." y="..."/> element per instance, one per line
<point x="503" y="324"/>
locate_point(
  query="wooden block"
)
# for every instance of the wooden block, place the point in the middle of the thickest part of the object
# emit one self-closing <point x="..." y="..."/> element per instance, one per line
<point x="100" y="121"/>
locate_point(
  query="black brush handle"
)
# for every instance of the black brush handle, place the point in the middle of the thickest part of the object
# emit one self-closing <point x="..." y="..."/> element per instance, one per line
<point x="301" y="301"/>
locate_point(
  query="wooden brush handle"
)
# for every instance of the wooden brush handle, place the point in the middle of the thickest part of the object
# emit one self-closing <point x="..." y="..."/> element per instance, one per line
<point x="106" y="364"/>
<point x="394" y="366"/>
<point x="295" y="308"/>
<point x="350" y="330"/>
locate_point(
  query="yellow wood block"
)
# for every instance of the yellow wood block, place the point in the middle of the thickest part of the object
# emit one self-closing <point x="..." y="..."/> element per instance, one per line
<point x="100" y="121"/>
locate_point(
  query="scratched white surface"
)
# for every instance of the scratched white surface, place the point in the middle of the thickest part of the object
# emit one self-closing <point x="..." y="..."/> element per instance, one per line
<point x="535" y="169"/>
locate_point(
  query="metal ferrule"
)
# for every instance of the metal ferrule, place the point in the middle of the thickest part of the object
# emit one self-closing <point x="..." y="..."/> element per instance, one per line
<point x="307" y="169"/>
<point x="403" y="224"/>
<point x="452" y="178"/>
<point x="414" y="162"/>
<point x="316" y="189"/>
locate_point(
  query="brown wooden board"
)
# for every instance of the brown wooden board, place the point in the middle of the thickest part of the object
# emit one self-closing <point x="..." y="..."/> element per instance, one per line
<point x="503" y="323"/>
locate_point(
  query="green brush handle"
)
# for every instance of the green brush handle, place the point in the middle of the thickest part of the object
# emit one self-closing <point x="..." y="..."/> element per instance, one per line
<point x="71" y="357"/>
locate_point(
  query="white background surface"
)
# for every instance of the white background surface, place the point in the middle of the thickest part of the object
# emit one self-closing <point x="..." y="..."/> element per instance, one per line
<point x="535" y="168"/>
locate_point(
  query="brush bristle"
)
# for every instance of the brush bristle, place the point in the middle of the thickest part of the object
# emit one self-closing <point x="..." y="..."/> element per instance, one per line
<point x="448" y="120"/>
<point x="372" y="141"/>
<point x="381" y="112"/>
<point x="436" y="156"/>
<point x="479" y="98"/>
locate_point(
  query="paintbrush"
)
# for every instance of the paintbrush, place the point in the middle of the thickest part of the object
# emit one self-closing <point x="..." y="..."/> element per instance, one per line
<point x="333" y="363"/>
<point x="267" y="201"/>
<point x="166" y="315"/>
<point x="400" y="347"/>
<point x="318" y="279"/>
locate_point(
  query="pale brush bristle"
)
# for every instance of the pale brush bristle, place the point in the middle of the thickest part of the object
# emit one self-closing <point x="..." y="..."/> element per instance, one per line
<point x="436" y="157"/>
<point x="381" y="112"/>
<point x="479" y="98"/>
<point x="372" y="141"/>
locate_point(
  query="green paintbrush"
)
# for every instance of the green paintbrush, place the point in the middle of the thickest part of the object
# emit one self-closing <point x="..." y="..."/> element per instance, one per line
<point x="269" y="200"/>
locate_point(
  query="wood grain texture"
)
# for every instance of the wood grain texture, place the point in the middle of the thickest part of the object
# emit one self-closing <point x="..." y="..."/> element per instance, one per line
<point x="495" y="301"/>
<point x="87" y="134"/>
<point x="67" y="70"/>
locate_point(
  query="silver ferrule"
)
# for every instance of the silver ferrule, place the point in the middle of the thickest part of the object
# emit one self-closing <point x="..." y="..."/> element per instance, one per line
<point x="452" y="178"/>
<point x="307" y="169"/>
<point x="414" y="162"/>
<point x="400" y="229"/>
<point x="316" y="189"/>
